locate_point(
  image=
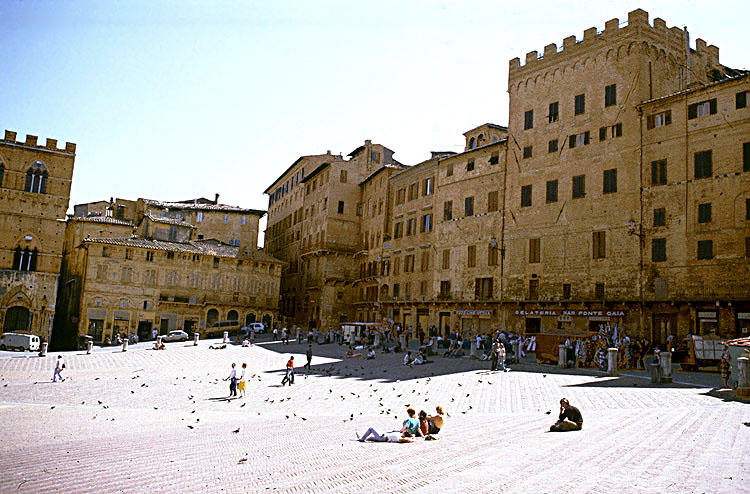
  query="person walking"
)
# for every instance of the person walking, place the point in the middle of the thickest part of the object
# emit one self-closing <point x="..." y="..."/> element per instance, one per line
<point x="232" y="378"/>
<point x="309" y="358"/>
<point x="501" y="356"/>
<point x="59" y="366"/>
<point x="241" y="381"/>
<point x="725" y="368"/>
<point x="289" y="377"/>
<point x="494" y="353"/>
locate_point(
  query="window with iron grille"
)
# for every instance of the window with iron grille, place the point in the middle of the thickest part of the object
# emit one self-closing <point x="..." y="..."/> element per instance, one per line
<point x="472" y="256"/>
<point x="599" y="290"/>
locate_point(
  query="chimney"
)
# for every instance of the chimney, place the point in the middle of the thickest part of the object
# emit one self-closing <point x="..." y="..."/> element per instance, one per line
<point x="216" y="199"/>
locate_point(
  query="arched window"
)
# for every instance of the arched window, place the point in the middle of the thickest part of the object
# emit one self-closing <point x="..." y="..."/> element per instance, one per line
<point x="471" y="143"/>
<point x="36" y="178"/>
<point x="249" y="319"/>
<point x="480" y="139"/>
<point x="233" y="316"/>
<point x="24" y="260"/>
<point x="211" y="317"/>
<point x="17" y="319"/>
<point x="2" y="173"/>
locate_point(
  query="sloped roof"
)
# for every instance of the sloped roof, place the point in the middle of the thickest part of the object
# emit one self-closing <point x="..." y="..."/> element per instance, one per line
<point x="208" y="247"/>
<point x="199" y="206"/>
<point x="168" y="221"/>
<point x="100" y="219"/>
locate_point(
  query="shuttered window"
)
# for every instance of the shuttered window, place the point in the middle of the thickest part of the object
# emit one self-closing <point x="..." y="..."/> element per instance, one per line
<point x="703" y="164"/>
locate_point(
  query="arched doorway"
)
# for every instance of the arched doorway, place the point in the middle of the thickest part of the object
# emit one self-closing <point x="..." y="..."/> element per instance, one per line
<point x="17" y="319"/>
<point x="233" y="316"/>
<point x="249" y="319"/>
<point x="267" y="321"/>
<point x="212" y="317"/>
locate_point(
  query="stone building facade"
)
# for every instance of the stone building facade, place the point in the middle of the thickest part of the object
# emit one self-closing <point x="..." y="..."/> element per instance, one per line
<point x="35" y="184"/>
<point x="121" y="276"/>
<point x="314" y="224"/>
<point x="617" y="194"/>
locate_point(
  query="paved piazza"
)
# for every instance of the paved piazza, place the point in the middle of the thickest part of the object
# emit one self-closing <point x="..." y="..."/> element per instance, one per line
<point x="148" y="421"/>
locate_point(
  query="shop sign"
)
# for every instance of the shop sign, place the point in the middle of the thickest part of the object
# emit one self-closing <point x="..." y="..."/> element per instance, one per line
<point x="572" y="313"/>
<point x="707" y="314"/>
<point x="743" y="315"/>
<point x="599" y="318"/>
<point x="565" y="319"/>
<point x="480" y="313"/>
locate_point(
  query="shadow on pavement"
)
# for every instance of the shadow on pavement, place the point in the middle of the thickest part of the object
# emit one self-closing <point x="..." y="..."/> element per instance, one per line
<point x="388" y="367"/>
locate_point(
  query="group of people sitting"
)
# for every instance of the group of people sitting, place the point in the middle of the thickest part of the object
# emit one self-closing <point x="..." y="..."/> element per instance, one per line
<point x="420" y="359"/>
<point x="425" y="426"/>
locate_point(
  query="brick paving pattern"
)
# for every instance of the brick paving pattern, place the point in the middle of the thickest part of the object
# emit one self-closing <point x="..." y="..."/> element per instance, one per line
<point x="144" y="421"/>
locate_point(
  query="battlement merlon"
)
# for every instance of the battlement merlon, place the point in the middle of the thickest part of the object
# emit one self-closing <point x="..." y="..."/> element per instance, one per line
<point x="673" y="38"/>
<point x="32" y="142"/>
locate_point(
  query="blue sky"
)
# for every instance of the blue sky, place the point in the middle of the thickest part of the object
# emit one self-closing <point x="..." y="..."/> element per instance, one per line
<point x="179" y="99"/>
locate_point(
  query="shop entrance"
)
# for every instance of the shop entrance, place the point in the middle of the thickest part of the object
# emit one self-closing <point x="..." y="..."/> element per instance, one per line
<point x="664" y="325"/>
<point x="533" y="325"/>
<point x="444" y="324"/>
<point x="144" y="330"/>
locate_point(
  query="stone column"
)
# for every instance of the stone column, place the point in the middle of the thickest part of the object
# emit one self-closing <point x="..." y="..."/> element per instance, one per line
<point x="562" y="356"/>
<point x="435" y="346"/>
<point x="89" y="347"/>
<point x="666" y="367"/>
<point x="159" y="340"/>
<point x="516" y="351"/>
<point x="226" y="337"/>
<point x="402" y="340"/>
<point x="612" y="361"/>
<point x="43" y="349"/>
<point x="298" y="340"/>
<point x="376" y="343"/>
<point x="743" y="376"/>
<point x="473" y="351"/>
<point x="125" y="345"/>
<point x="196" y="337"/>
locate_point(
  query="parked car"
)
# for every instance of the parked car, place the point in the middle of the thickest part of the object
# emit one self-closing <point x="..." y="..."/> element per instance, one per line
<point x="257" y="326"/>
<point x="19" y="341"/>
<point x="176" y="335"/>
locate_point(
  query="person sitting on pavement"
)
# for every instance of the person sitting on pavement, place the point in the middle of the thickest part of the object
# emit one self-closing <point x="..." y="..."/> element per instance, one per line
<point x="459" y="350"/>
<point x="211" y="347"/>
<point x="407" y="359"/>
<point x="570" y="418"/>
<point x="371" y="354"/>
<point x="435" y="422"/>
<point x="245" y="342"/>
<point x="424" y="426"/>
<point x="350" y="353"/>
<point x="388" y="437"/>
<point x="410" y="425"/>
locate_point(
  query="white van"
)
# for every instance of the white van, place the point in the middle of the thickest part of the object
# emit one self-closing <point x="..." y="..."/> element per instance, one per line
<point x="19" y="341"/>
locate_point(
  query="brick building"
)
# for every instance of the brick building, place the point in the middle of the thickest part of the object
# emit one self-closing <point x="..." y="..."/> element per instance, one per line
<point x="34" y="194"/>
<point x="159" y="272"/>
<point x="619" y="193"/>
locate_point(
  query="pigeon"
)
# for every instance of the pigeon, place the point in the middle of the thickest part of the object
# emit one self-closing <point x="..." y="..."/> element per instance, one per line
<point x="548" y="412"/>
<point x="191" y="427"/>
<point x="236" y="430"/>
<point x="242" y="460"/>
<point x="51" y="407"/>
<point x="243" y="405"/>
